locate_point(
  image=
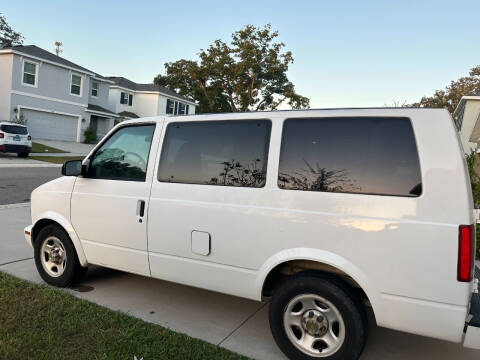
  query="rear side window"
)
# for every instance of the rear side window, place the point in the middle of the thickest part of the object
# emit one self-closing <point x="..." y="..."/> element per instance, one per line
<point x="363" y="155"/>
<point x="13" y="129"/>
<point x="228" y="153"/>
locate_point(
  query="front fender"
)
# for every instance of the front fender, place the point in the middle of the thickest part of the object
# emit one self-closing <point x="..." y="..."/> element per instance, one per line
<point x="325" y="257"/>
<point x="65" y="224"/>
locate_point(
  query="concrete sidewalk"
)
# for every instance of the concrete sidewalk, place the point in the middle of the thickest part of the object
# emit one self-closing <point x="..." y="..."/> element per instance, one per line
<point x="237" y="324"/>
<point x="73" y="148"/>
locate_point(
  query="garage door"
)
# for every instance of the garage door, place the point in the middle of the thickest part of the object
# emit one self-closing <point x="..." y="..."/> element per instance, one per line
<point x="48" y="126"/>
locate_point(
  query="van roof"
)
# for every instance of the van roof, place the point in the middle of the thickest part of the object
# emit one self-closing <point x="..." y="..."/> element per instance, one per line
<point x="359" y="111"/>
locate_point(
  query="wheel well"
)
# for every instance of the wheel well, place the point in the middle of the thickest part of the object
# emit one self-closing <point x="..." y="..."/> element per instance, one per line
<point x="40" y="224"/>
<point x="286" y="269"/>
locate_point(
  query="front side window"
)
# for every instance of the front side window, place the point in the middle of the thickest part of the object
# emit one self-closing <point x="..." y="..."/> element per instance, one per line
<point x="124" y="156"/>
<point x="95" y="89"/>
<point x="363" y="155"/>
<point x="29" y="73"/>
<point x="229" y="153"/>
<point x="76" y="87"/>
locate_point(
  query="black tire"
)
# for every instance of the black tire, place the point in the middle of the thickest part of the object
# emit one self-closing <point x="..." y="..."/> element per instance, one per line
<point x="329" y="288"/>
<point x="72" y="272"/>
<point x="23" y="154"/>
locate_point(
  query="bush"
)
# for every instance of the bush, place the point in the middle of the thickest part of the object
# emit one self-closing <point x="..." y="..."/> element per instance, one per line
<point x="474" y="178"/>
<point x="90" y="135"/>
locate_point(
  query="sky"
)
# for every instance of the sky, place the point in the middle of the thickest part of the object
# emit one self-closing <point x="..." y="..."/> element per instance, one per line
<point x="347" y="53"/>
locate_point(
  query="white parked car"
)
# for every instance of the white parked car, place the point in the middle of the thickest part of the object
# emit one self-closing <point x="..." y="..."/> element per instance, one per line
<point x="324" y="213"/>
<point x="14" y="138"/>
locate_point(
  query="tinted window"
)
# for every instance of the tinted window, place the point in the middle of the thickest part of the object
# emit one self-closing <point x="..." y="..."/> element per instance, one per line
<point x="232" y="153"/>
<point x="12" y="129"/>
<point x="124" y="156"/>
<point x="350" y="155"/>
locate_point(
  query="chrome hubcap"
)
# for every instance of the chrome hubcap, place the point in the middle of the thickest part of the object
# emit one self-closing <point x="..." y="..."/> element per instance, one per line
<point x="53" y="256"/>
<point x="314" y="325"/>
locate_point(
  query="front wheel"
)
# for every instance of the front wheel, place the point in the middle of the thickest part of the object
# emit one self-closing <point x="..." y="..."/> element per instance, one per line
<point x="55" y="257"/>
<point x="314" y="317"/>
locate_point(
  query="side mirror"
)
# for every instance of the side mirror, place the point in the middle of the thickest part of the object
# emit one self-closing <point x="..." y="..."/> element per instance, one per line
<point x="72" y="168"/>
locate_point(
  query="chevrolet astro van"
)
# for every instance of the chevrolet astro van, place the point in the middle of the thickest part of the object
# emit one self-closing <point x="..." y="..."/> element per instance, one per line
<point x="327" y="214"/>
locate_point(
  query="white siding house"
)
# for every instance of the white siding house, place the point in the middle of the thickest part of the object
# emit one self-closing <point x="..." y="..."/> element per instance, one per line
<point x="467" y="121"/>
<point x="131" y="100"/>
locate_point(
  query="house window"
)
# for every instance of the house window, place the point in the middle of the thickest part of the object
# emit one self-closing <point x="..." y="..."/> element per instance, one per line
<point x="95" y="89"/>
<point x="186" y="109"/>
<point x="181" y="108"/>
<point x="126" y="98"/>
<point x="76" y="85"/>
<point x="29" y="73"/>
<point x="170" y="106"/>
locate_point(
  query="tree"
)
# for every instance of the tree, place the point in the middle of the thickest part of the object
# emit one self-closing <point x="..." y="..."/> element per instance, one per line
<point x="58" y="47"/>
<point x="451" y="95"/>
<point x="248" y="74"/>
<point x="8" y="37"/>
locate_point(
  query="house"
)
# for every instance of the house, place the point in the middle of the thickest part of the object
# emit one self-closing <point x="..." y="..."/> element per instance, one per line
<point x="60" y="99"/>
<point x="57" y="98"/>
<point x="467" y="121"/>
<point x="131" y="100"/>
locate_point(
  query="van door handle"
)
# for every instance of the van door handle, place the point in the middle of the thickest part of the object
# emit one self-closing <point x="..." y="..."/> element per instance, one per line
<point x="140" y="209"/>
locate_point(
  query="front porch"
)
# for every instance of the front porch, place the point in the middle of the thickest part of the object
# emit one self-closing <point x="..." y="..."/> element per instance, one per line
<point x="101" y="120"/>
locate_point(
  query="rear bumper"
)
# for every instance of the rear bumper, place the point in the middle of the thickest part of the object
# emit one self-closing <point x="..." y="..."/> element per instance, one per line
<point x="15" y="148"/>
<point x="472" y="326"/>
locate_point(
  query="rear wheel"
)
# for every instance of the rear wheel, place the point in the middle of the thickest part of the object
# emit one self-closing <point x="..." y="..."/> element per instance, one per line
<point x="313" y="316"/>
<point x="23" y="154"/>
<point x="55" y="257"/>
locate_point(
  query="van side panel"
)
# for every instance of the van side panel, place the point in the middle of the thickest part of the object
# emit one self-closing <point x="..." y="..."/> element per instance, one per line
<point x="405" y="249"/>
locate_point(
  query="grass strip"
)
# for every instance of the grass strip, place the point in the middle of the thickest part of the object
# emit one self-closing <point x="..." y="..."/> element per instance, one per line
<point x="41" y="322"/>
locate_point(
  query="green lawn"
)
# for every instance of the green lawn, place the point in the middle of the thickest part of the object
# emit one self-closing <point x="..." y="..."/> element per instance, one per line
<point x="40" y="148"/>
<point x="41" y="322"/>
<point x="56" y="159"/>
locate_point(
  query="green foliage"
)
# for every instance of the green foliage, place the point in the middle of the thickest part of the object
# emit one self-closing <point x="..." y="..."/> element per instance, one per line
<point x="451" y="95"/>
<point x="21" y="119"/>
<point x="247" y="74"/>
<point x="90" y="135"/>
<point x="8" y="37"/>
<point x="474" y="178"/>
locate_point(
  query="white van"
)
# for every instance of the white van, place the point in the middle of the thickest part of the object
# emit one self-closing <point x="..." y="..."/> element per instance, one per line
<point x="324" y="213"/>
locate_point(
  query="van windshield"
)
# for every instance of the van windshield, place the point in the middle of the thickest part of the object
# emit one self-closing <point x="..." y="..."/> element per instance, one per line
<point x="14" y="129"/>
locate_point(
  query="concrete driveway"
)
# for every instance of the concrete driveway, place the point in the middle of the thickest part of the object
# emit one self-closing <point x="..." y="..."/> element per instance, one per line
<point x="234" y="323"/>
<point x="74" y="148"/>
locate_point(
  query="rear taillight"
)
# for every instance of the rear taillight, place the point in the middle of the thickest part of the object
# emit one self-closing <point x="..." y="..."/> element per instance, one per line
<point x="466" y="246"/>
<point x="2" y="136"/>
<point x="29" y="137"/>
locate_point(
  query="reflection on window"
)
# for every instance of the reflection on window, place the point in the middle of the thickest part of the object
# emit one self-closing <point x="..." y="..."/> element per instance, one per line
<point x="124" y="156"/>
<point x="366" y="155"/>
<point x="230" y="153"/>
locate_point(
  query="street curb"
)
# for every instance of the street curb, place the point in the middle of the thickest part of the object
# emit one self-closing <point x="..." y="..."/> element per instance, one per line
<point x="14" y="206"/>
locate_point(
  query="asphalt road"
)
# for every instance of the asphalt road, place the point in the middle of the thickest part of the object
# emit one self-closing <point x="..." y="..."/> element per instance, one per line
<point x="16" y="183"/>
